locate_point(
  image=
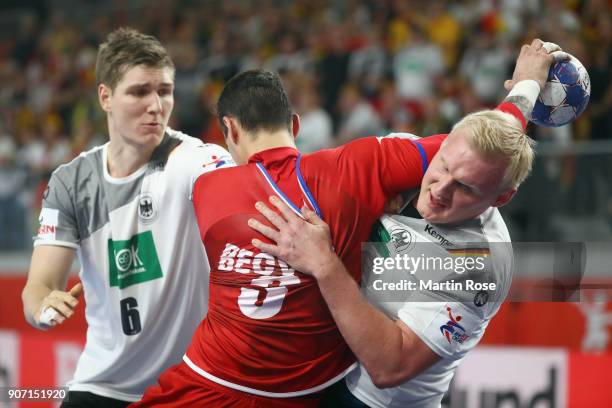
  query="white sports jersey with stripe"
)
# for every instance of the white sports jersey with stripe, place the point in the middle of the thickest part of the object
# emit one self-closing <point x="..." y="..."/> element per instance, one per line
<point x="448" y="326"/>
<point x="144" y="268"/>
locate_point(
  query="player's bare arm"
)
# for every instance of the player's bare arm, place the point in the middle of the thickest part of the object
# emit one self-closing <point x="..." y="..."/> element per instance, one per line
<point x="45" y="287"/>
<point x="389" y="351"/>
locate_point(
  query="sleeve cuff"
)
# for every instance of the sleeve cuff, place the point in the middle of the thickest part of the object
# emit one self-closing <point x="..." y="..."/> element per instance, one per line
<point x="512" y="109"/>
<point x="38" y="242"/>
<point x="528" y="89"/>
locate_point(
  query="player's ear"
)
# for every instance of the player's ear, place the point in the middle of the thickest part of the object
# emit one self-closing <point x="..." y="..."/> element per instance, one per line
<point x="232" y="129"/>
<point x="295" y="124"/>
<point x="104" y="94"/>
<point x="504" y="197"/>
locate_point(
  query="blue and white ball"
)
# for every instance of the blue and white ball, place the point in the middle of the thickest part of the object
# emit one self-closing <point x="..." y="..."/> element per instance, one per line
<point x="565" y="95"/>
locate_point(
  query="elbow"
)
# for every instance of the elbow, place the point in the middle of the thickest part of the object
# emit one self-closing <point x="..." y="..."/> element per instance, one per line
<point x="395" y="369"/>
<point x="392" y="377"/>
<point x="382" y="382"/>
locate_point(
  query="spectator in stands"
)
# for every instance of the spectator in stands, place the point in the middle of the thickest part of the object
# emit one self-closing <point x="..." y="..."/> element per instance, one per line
<point x="315" y="123"/>
<point x="358" y="117"/>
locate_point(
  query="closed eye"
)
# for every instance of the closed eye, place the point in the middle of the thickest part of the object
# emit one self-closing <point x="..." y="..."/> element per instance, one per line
<point x="467" y="189"/>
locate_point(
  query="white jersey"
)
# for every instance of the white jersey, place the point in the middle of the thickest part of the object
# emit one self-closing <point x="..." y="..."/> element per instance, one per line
<point x="144" y="269"/>
<point x="449" y="327"/>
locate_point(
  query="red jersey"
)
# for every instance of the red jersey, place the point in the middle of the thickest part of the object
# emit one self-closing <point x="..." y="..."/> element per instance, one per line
<point x="268" y="330"/>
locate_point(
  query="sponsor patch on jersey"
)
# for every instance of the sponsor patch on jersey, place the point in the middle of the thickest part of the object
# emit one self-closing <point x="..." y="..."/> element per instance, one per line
<point x="453" y="331"/>
<point x="217" y="161"/>
<point x="133" y="261"/>
<point x="48" y="223"/>
<point x="438" y="236"/>
<point x="147" y="208"/>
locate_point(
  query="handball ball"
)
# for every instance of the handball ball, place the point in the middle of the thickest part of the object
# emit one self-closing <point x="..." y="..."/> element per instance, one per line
<point x="565" y="95"/>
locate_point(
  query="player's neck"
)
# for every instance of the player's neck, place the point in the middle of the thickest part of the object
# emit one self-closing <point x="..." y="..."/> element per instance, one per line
<point x="124" y="159"/>
<point x="265" y="140"/>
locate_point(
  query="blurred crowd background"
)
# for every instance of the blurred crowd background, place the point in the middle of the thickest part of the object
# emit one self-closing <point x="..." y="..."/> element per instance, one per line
<point x="352" y="67"/>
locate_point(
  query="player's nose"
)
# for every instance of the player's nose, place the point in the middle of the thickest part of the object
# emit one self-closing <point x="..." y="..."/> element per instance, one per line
<point x="154" y="104"/>
<point x="442" y="189"/>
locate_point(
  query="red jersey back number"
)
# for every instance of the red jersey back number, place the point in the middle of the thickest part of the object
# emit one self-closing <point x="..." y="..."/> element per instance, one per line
<point x="264" y="298"/>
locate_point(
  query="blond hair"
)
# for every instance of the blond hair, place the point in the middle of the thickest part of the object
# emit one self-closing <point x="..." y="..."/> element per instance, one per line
<point x="494" y="133"/>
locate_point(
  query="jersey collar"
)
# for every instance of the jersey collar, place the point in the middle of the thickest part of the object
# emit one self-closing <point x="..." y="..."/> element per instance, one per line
<point x="276" y="154"/>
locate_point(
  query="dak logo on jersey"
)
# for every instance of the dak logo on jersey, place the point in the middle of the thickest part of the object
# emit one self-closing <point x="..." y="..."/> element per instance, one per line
<point x="147" y="210"/>
<point x="133" y="261"/>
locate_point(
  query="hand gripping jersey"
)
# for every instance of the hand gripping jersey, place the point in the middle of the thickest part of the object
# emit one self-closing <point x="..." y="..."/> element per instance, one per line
<point x="144" y="269"/>
<point x="449" y="327"/>
<point x="268" y="330"/>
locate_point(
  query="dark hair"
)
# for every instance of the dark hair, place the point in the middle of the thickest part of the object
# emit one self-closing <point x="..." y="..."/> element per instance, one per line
<point x="125" y="48"/>
<point x="257" y="100"/>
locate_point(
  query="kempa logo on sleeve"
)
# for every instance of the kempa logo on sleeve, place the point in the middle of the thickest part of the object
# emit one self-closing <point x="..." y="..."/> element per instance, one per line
<point x="133" y="261"/>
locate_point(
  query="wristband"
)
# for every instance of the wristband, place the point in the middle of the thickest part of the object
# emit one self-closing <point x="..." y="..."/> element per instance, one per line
<point x="527" y="88"/>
